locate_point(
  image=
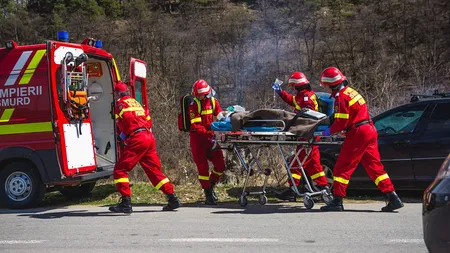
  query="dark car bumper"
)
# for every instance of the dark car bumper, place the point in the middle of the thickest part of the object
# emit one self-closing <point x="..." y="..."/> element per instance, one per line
<point x="436" y="217"/>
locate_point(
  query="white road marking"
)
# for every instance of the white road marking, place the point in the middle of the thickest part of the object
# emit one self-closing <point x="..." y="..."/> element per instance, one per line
<point x="21" y="242"/>
<point x="250" y="240"/>
<point x="405" y="241"/>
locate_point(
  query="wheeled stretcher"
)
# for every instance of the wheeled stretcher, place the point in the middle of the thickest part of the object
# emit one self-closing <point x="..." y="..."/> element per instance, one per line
<point x="272" y="132"/>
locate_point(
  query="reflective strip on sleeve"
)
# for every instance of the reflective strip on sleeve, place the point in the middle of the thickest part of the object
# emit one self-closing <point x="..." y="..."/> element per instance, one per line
<point x="381" y="178"/>
<point x="131" y="109"/>
<point x="296" y="176"/>
<point x="320" y="174"/>
<point x="295" y="103"/>
<point x="164" y="181"/>
<point x="354" y="100"/>
<point x="217" y="173"/>
<point x="341" y="180"/>
<point x="341" y="116"/>
<point x="148" y="118"/>
<point x="121" y="180"/>
<point x="196" y="120"/>
<point x="6" y="115"/>
<point x="206" y="178"/>
<point x="28" y="74"/>
<point x="117" y="116"/>
<point x="207" y="112"/>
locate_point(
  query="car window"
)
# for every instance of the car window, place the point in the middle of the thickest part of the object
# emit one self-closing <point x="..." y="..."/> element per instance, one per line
<point x="400" y="122"/>
<point x="440" y="118"/>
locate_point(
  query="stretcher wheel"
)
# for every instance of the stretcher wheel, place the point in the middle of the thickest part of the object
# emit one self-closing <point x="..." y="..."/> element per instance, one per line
<point x="327" y="198"/>
<point x="243" y="201"/>
<point x="262" y="199"/>
<point x="308" y="202"/>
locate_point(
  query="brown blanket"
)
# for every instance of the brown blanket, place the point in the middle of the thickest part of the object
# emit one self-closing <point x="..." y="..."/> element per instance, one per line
<point x="302" y="127"/>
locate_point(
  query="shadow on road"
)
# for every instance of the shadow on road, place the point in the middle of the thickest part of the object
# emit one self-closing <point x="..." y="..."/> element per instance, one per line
<point x="369" y="195"/>
<point x="58" y="201"/>
<point x="269" y="209"/>
<point x="251" y="208"/>
<point x="79" y="213"/>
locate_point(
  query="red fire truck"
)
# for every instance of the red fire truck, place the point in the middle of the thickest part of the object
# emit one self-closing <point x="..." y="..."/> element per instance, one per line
<point x="57" y="124"/>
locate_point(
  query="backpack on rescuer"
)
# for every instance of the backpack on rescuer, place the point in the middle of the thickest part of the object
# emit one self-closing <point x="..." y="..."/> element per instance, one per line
<point x="184" y="122"/>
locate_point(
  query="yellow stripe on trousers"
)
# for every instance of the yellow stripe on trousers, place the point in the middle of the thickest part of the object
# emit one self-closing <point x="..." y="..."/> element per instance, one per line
<point x="121" y="180"/>
<point x="161" y="183"/>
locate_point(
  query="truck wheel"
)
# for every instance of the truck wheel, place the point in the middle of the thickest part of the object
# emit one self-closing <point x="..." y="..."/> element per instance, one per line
<point x="20" y="185"/>
<point x="79" y="191"/>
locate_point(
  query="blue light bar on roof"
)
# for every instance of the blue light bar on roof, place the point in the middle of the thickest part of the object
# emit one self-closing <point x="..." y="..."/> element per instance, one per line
<point x="98" y="44"/>
<point x="62" y="36"/>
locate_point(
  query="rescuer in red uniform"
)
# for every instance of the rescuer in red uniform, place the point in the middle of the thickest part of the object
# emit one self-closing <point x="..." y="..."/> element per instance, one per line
<point x="134" y="124"/>
<point x="360" y="145"/>
<point x="201" y="113"/>
<point x="305" y="98"/>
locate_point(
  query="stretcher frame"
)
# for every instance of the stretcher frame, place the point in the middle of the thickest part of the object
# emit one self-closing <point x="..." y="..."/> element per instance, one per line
<point x="234" y="141"/>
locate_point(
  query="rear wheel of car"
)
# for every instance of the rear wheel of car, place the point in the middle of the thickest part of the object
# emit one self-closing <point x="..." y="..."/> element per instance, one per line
<point x="20" y="185"/>
<point x="328" y="165"/>
<point x="79" y="191"/>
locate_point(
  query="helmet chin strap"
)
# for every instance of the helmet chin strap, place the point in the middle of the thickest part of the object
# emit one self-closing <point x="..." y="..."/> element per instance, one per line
<point x="303" y="87"/>
<point x="339" y="86"/>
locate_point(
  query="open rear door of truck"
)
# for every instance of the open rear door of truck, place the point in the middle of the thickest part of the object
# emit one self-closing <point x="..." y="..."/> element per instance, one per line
<point x="73" y="129"/>
<point x="138" y="81"/>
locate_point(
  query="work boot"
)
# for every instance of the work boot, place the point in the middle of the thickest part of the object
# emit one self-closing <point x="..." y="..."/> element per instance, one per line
<point x="213" y="192"/>
<point x="173" y="202"/>
<point x="393" y="203"/>
<point x="288" y="194"/>
<point x="335" y="205"/>
<point x="123" y="207"/>
<point x="209" y="199"/>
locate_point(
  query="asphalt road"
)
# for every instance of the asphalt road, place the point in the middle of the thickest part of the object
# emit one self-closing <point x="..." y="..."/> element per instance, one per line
<point x="225" y="228"/>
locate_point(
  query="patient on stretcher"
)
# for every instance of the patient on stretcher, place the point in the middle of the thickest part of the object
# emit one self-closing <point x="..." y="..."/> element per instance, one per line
<point x="303" y="124"/>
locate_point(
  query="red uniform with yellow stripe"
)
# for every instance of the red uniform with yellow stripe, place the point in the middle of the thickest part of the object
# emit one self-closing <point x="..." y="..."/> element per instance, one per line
<point x="202" y="114"/>
<point x="140" y="146"/>
<point x="361" y="143"/>
<point x="306" y="99"/>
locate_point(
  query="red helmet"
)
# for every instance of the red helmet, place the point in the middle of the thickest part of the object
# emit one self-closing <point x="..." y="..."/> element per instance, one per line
<point x="121" y="87"/>
<point x="331" y="76"/>
<point x="200" y="88"/>
<point x="298" y="79"/>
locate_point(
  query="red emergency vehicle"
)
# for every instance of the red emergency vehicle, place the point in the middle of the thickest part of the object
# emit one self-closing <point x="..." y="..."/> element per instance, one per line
<point x="57" y="124"/>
